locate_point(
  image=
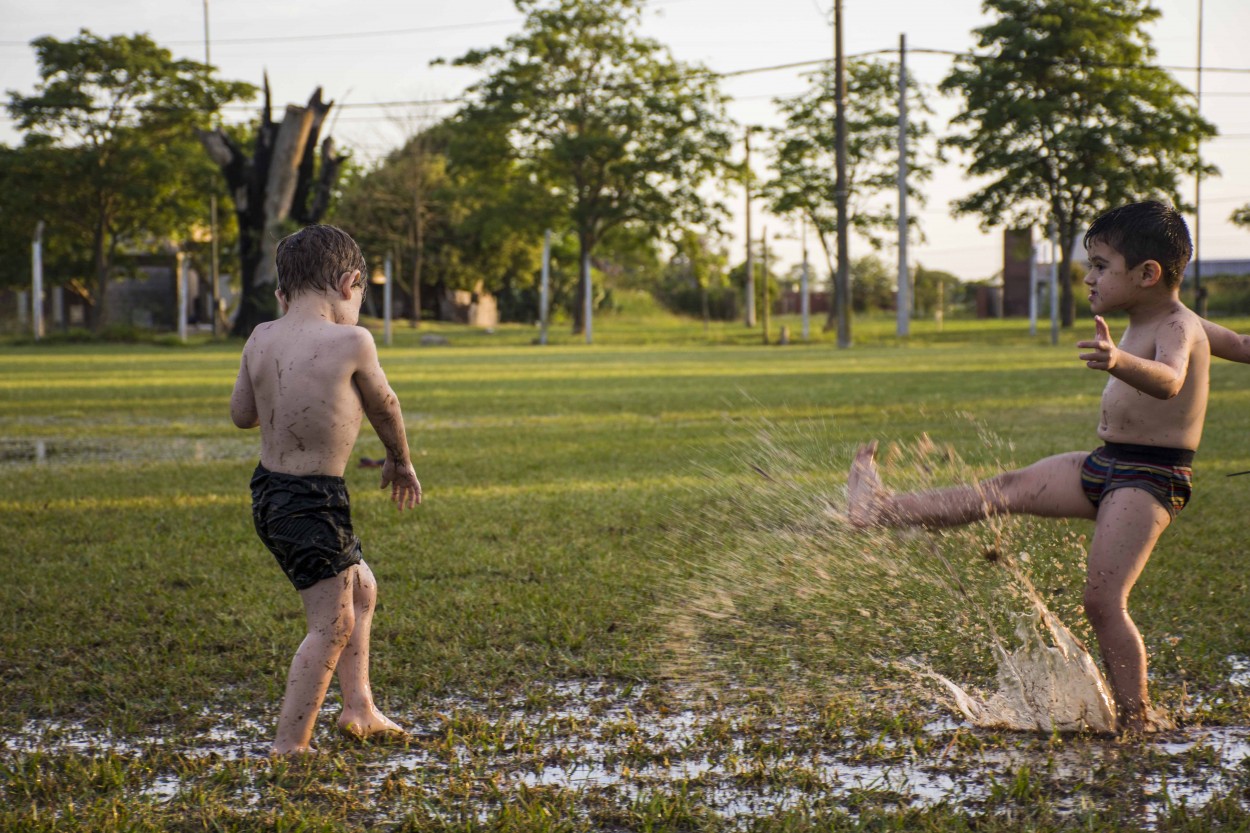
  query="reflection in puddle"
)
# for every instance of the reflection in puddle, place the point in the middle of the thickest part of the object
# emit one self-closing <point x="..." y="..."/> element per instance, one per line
<point x="597" y="738"/>
<point x="1240" y="667"/>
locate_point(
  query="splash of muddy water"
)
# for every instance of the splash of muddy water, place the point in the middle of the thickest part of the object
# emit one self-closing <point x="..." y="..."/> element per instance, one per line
<point x="794" y="580"/>
<point x="1043" y="686"/>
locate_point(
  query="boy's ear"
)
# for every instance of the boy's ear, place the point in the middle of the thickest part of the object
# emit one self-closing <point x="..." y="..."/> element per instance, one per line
<point x="345" y="283"/>
<point x="1151" y="273"/>
<point x="283" y="303"/>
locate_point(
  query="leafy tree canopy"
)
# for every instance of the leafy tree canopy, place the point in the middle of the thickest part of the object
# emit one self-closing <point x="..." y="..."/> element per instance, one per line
<point x="109" y="160"/>
<point x="606" y="122"/>
<point x="1066" y="115"/>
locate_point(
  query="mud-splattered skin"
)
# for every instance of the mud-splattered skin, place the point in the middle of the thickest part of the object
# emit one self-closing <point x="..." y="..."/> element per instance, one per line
<point x="1157" y="391"/>
<point x="1156" y="396"/>
<point x="313" y="374"/>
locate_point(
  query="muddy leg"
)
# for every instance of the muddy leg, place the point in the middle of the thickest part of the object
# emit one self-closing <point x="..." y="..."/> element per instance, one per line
<point x="328" y="608"/>
<point x="360" y="717"/>
<point x="1129" y="523"/>
<point x="1049" y="488"/>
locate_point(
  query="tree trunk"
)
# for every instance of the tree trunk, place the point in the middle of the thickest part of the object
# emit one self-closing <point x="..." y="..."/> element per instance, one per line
<point x="279" y="182"/>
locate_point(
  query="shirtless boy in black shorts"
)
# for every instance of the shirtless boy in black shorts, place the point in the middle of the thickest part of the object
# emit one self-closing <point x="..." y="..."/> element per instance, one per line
<point x="1153" y="408"/>
<point x="306" y="380"/>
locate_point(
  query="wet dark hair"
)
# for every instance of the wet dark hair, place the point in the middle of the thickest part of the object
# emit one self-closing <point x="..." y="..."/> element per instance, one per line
<point x="1142" y="231"/>
<point x="315" y="257"/>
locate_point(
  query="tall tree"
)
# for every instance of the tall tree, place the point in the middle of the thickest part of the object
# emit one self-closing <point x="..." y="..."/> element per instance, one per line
<point x="618" y="129"/>
<point x="1067" y="115"/>
<point x="109" y="129"/>
<point x="804" y="153"/>
<point x="390" y="207"/>
<point x="453" y="225"/>
<point x="1241" y="217"/>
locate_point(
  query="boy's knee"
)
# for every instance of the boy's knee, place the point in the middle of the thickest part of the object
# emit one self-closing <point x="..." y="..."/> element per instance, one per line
<point x="338" y="631"/>
<point x="1101" y="606"/>
<point x="365" y="592"/>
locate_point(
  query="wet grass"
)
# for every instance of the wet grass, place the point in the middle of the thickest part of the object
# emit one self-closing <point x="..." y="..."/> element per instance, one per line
<point x="576" y="497"/>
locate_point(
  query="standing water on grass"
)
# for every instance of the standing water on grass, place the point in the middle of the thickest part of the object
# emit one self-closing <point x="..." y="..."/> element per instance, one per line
<point x="775" y="589"/>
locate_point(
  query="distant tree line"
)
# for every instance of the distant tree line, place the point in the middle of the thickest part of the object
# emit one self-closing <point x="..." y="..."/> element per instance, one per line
<point x="583" y="126"/>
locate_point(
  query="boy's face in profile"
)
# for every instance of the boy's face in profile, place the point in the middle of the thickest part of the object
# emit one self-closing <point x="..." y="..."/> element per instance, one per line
<point x="1111" y="283"/>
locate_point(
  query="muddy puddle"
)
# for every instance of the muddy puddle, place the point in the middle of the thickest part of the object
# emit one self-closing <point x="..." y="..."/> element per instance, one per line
<point x="607" y="743"/>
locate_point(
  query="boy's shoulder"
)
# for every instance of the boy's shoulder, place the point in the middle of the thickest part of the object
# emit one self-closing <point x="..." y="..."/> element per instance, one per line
<point x="318" y="342"/>
<point x="1185" y="323"/>
<point x="284" y="330"/>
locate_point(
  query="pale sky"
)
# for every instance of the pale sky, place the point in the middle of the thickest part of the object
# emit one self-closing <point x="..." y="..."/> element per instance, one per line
<point x="367" y="52"/>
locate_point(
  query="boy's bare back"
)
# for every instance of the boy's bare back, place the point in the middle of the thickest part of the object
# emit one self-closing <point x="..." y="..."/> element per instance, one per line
<point x="307" y="379"/>
<point x="308" y="404"/>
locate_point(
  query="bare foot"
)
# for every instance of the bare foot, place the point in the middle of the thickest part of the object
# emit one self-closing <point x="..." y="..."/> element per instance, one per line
<point x="293" y="752"/>
<point x="1147" y="721"/>
<point x="863" y="489"/>
<point x="373" y="726"/>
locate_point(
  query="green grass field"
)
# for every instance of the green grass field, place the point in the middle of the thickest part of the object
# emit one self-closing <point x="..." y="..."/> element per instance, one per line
<point x="584" y="506"/>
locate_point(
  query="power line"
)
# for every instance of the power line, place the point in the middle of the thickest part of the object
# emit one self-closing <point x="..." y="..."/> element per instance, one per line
<point x="709" y="73"/>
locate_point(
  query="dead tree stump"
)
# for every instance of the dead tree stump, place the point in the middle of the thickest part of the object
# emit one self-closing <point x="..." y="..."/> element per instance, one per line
<point x="287" y="177"/>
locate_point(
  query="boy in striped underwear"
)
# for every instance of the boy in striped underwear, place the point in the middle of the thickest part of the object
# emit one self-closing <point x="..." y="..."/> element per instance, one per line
<point x="1133" y="486"/>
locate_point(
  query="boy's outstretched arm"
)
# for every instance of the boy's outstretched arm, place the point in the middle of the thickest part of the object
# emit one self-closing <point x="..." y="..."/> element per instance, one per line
<point x="1225" y="343"/>
<point x="1161" y="377"/>
<point x="243" y="400"/>
<point x="382" y="408"/>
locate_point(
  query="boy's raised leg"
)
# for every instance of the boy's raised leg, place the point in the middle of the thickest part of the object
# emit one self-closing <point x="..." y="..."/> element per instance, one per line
<point x="328" y="609"/>
<point x="360" y="717"/>
<point x="1049" y="488"/>
<point x="1129" y="523"/>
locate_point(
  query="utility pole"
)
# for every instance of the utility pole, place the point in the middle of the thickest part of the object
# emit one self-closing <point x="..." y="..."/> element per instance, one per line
<point x="764" y="279"/>
<point x="180" y="293"/>
<point x="1035" y="256"/>
<point x="750" y="282"/>
<point x="36" y="281"/>
<point x="386" y="301"/>
<point x="213" y="289"/>
<point x="544" y="297"/>
<point x="588" y="308"/>
<point x="842" y="282"/>
<point x="1054" y="283"/>
<point x="418" y="217"/>
<point x="805" y="290"/>
<point x="904" y="278"/>
<point x="1200" y="294"/>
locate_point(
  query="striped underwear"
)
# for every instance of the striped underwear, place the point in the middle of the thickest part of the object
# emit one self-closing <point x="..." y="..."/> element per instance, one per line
<point x="1164" y="473"/>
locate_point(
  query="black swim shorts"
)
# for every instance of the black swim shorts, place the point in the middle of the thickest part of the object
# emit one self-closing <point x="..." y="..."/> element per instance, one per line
<point x="306" y="522"/>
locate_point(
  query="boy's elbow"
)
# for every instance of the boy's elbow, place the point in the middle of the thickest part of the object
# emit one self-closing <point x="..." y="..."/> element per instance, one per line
<point x="244" y="419"/>
<point x="1170" y="390"/>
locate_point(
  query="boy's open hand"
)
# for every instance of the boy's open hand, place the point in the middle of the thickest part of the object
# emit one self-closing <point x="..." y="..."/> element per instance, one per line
<point x="405" y="488"/>
<point x="1104" y="354"/>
